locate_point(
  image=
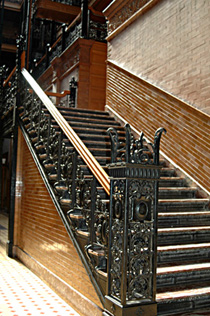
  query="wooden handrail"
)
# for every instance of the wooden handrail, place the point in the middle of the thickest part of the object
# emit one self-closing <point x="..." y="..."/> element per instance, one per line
<point x="9" y="77"/>
<point x="55" y="94"/>
<point x="59" y="38"/>
<point x="83" y="151"/>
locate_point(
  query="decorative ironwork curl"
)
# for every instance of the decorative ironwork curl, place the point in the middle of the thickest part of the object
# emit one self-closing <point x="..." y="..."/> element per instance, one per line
<point x="135" y="151"/>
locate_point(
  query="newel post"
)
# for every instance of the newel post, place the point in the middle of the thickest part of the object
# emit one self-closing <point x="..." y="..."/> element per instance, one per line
<point x="134" y="174"/>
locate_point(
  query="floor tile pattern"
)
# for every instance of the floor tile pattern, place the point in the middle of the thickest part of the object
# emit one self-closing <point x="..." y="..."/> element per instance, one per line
<point x="23" y="293"/>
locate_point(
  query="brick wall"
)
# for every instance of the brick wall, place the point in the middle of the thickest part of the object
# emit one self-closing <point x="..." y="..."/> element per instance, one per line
<point x="169" y="45"/>
<point x="40" y="233"/>
<point x="147" y="108"/>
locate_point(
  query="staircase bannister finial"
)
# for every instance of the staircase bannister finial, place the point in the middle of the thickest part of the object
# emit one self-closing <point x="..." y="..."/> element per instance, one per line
<point x="140" y="151"/>
<point x="73" y="92"/>
<point x="157" y="138"/>
<point x="132" y="250"/>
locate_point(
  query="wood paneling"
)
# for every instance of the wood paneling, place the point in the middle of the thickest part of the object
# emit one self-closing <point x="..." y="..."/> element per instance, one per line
<point x="88" y="57"/>
<point x="147" y="108"/>
<point x="40" y="232"/>
<point x="56" y="11"/>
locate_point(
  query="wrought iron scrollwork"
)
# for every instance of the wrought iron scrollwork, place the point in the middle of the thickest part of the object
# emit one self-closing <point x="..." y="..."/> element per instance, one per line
<point x="138" y="151"/>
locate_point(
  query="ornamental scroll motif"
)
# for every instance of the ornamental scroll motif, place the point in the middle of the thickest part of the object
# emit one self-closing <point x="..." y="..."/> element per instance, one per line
<point x="141" y="236"/>
<point x="139" y="223"/>
<point x="125" y="13"/>
<point x="117" y="238"/>
<point x="135" y="151"/>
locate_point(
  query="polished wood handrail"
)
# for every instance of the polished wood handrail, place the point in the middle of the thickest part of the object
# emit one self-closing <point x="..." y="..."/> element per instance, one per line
<point x="59" y="38"/>
<point x="9" y="77"/>
<point x="55" y="94"/>
<point x="83" y="151"/>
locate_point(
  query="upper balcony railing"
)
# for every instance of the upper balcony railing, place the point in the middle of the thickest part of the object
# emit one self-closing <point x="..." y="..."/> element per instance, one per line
<point x="69" y="2"/>
<point x="95" y="28"/>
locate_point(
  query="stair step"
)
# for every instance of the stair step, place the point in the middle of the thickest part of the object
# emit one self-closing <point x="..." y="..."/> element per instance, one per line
<point x="183" y="235"/>
<point x="176" y="254"/>
<point x="186" y="219"/>
<point x="173" y="302"/>
<point x="77" y="114"/>
<point x="100" y="137"/>
<point x="94" y="144"/>
<point x="90" y="120"/>
<point x="86" y="116"/>
<point x="176" y="192"/>
<point x="167" y="172"/>
<point x="182" y="276"/>
<point x="91" y="125"/>
<point x="97" y="132"/>
<point x="82" y="111"/>
<point x="167" y="205"/>
<point x="171" y="182"/>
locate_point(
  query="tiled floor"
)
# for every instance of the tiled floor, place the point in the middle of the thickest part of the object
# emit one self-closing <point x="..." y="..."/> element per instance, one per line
<point x="23" y="293"/>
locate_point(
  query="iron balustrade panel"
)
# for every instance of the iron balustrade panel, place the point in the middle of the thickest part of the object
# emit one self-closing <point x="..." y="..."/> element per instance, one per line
<point x="77" y="195"/>
<point x="132" y="249"/>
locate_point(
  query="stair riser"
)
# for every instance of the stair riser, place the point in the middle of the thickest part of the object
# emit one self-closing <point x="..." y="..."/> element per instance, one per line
<point x="87" y="116"/>
<point x="172" y="280"/>
<point x="171" y="183"/>
<point x="176" y="195"/>
<point x="181" y="256"/>
<point x="189" y="304"/>
<point x="183" y="221"/>
<point x="183" y="237"/>
<point x="167" y="173"/>
<point x="191" y="207"/>
<point x="80" y="121"/>
<point x="94" y="126"/>
<point x="81" y="111"/>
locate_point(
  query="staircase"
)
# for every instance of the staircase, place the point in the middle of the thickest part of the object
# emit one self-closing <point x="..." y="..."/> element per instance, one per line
<point x="183" y="272"/>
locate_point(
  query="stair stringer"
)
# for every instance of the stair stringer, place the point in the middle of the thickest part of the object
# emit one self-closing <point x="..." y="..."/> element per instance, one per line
<point x="63" y="218"/>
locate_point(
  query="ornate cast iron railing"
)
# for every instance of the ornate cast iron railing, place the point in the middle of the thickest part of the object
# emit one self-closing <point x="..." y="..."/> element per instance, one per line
<point x="95" y="30"/>
<point x="94" y="166"/>
<point x="82" y="203"/>
<point x="116" y="236"/>
<point x="134" y="172"/>
<point x="8" y="92"/>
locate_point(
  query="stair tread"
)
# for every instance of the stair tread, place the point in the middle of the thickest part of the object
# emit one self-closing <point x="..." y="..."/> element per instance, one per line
<point x="172" y="214"/>
<point x="178" y="188"/>
<point x="181" y="294"/>
<point x="194" y="200"/>
<point x="92" y="125"/>
<point x="86" y="115"/>
<point x="104" y="130"/>
<point x="183" y="247"/>
<point x="81" y="110"/>
<point x="181" y="268"/>
<point x="183" y="229"/>
<point x="89" y="120"/>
